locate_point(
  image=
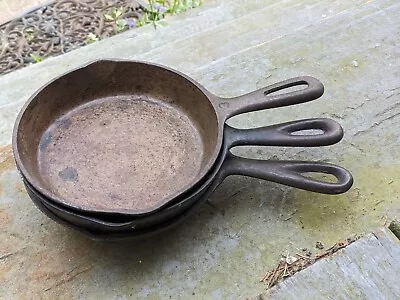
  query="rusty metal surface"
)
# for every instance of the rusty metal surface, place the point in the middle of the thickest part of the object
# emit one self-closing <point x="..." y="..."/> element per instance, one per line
<point x="223" y="250"/>
<point x="128" y="139"/>
<point x="147" y="147"/>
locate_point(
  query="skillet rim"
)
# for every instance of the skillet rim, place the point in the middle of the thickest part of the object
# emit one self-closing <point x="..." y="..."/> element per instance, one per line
<point x="119" y="211"/>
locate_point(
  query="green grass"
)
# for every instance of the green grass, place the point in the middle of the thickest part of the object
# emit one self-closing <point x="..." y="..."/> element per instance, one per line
<point x="155" y="11"/>
<point x="36" y="58"/>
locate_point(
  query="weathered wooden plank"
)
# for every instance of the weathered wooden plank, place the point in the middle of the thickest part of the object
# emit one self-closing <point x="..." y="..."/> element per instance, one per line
<point x="390" y="242"/>
<point x="366" y="269"/>
<point x="220" y="253"/>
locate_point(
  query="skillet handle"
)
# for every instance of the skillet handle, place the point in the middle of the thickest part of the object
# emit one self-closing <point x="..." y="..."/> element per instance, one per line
<point x="283" y="134"/>
<point x="266" y="98"/>
<point x="290" y="173"/>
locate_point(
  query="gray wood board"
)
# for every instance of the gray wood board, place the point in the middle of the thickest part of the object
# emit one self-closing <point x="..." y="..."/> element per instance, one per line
<point x="366" y="269"/>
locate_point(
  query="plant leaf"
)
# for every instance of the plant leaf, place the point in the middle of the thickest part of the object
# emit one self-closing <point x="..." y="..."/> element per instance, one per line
<point x="121" y="24"/>
<point x="107" y="17"/>
<point x="91" y="38"/>
<point x="36" y="58"/>
<point x="118" y="12"/>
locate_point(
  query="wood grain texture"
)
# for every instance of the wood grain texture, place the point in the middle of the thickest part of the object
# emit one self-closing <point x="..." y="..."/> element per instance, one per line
<point x="231" y="47"/>
<point x="366" y="269"/>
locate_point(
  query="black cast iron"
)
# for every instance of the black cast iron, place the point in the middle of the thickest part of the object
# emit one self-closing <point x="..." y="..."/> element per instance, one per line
<point x="97" y="139"/>
<point x="275" y="135"/>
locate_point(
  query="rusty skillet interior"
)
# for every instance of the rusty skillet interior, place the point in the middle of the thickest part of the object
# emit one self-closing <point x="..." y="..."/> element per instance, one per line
<point x="116" y="136"/>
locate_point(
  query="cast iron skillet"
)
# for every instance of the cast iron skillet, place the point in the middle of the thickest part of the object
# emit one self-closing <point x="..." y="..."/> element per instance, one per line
<point x="272" y="135"/>
<point x="128" y="137"/>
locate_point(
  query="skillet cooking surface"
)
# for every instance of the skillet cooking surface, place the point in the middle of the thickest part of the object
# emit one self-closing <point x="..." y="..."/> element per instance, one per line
<point x="135" y="149"/>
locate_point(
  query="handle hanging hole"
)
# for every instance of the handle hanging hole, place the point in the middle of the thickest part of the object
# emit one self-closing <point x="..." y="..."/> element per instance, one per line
<point x="288" y="88"/>
<point x="323" y="177"/>
<point x="308" y="132"/>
